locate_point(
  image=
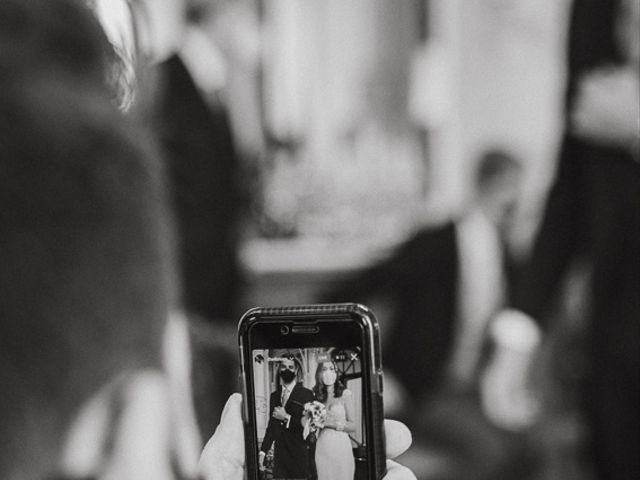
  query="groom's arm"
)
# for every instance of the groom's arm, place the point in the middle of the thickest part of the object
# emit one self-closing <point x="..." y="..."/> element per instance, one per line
<point x="269" y="435"/>
<point x="295" y="415"/>
<point x="297" y="409"/>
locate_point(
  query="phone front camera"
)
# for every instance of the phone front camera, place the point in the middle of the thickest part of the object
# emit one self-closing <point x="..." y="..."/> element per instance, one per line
<point x="284" y="330"/>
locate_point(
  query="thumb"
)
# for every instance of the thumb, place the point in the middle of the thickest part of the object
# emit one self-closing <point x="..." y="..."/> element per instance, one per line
<point x="398" y="472"/>
<point x="223" y="455"/>
<point x="398" y="438"/>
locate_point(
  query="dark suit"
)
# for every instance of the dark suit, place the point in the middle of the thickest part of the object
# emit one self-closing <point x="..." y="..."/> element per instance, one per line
<point x="202" y="169"/>
<point x="291" y="451"/>
<point x="594" y="209"/>
<point x="421" y="278"/>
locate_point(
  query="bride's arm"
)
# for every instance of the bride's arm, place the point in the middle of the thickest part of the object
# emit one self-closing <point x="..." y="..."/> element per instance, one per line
<point x="304" y="421"/>
<point x="350" y="424"/>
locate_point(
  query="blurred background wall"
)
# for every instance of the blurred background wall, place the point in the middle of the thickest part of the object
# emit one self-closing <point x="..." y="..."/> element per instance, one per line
<point x="374" y="114"/>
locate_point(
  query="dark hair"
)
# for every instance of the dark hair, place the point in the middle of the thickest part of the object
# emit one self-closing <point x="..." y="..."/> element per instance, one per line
<point x="86" y="270"/>
<point x="59" y="37"/>
<point x="493" y="164"/>
<point x="320" y="389"/>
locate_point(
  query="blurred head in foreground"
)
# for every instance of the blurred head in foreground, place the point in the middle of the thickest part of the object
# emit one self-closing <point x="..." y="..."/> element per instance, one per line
<point x="85" y="283"/>
<point x="90" y="387"/>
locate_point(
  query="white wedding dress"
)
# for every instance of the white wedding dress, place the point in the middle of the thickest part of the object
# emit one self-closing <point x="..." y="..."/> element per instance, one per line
<point x="334" y="454"/>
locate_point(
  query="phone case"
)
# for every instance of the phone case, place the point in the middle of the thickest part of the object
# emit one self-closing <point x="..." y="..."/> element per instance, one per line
<point x="373" y="397"/>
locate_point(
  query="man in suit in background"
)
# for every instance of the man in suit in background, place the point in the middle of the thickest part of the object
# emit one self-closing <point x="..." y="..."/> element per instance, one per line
<point x="286" y="407"/>
<point x="444" y="283"/>
<point x="192" y="126"/>
<point x="194" y="129"/>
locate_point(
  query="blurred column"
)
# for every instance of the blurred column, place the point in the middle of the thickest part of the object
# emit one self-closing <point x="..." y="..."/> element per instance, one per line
<point x="289" y="55"/>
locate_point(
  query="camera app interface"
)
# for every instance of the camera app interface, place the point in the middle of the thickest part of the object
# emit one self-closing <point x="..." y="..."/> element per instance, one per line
<point x="309" y="414"/>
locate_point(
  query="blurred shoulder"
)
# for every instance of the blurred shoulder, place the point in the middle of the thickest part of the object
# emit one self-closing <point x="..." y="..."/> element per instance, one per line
<point x="428" y="240"/>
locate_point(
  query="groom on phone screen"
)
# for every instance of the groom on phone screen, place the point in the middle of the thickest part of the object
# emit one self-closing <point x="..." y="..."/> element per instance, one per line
<point x="286" y="407"/>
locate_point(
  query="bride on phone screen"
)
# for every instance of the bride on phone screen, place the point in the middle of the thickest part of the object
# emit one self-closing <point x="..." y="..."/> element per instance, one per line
<point x="334" y="454"/>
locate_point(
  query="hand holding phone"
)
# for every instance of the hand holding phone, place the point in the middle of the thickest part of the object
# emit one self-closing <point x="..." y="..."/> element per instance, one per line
<point x="223" y="457"/>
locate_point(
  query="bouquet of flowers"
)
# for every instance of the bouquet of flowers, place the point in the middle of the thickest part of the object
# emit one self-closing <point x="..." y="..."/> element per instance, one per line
<point x="315" y="413"/>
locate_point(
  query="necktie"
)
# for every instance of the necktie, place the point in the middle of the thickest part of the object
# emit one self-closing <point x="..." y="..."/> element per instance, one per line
<point x="285" y="396"/>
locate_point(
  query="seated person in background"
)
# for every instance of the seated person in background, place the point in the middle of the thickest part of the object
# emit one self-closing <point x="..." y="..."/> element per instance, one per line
<point x="443" y="285"/>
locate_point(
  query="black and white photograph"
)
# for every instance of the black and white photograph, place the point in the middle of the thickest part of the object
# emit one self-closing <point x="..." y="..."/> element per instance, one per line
<point x="466" y="173"/>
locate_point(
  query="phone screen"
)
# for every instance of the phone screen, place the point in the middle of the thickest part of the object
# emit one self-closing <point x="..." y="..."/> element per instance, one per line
<point x="309" y="400"/>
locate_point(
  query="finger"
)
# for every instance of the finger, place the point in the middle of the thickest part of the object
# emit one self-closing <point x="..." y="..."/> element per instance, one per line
<point x="223" y="456"/>
<point x="396" y="471"/>
<point x="398" y="438"/>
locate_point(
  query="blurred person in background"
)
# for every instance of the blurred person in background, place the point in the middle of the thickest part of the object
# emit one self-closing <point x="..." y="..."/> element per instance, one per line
<point x="444" y="285"/>
<point x="187" y="73"/>
<point x="591" y="213"/>
<point x="194" y="129"/>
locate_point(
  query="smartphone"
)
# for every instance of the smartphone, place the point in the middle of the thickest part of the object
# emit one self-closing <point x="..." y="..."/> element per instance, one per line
<point x="312" y="384"/>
